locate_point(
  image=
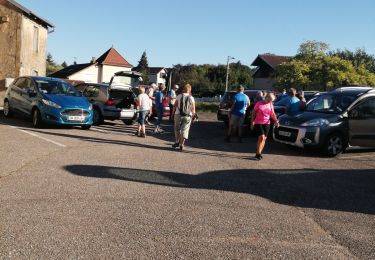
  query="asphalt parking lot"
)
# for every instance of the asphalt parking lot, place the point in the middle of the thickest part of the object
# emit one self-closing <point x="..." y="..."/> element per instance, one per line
<point x="105" y="193"/>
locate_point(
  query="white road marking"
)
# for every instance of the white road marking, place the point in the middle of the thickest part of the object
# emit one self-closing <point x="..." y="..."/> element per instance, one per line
<point x="38" y="136"/>
<point x="356" y="156"/>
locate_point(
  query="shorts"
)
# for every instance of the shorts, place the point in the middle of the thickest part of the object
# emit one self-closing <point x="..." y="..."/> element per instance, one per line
<point x="263" y="129"/>
<point x="182" y="126"/>
<point x="141" y="116"/>
<point x="236" y="120"/>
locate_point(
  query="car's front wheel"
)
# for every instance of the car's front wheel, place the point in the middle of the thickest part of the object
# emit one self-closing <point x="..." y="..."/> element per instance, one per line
<point x="7" y="110"/>
<point x="37" y="118"/>
<point x="335" y="144"/>
<point x="97" y="117"/>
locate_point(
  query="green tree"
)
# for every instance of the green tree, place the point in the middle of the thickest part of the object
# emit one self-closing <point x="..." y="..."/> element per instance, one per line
<point x="51" y="66"/>
<point x="359" y="58"/>
<point x="312" y="68"/>
<point x="143" y="67"/>
<point x="64" y="64"/>
<point x="310" y="49"/>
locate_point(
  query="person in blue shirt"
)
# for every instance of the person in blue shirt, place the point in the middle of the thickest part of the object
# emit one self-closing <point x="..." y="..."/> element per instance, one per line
<point x="159" y="105"/>
<point x="237" y="113"/>
<point x="292" y="104"/>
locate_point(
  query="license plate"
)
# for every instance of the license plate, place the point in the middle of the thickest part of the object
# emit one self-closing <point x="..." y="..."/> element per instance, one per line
<point x="127" y="114"/>
<point x="286" y="134"/>
<point x="76" y="118"/>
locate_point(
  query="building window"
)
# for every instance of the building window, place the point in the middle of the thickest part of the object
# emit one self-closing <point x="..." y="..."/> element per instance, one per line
<point x="36" y="39"/>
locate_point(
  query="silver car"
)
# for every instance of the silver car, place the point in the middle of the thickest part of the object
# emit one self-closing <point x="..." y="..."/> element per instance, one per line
<point x="115" y="100"/>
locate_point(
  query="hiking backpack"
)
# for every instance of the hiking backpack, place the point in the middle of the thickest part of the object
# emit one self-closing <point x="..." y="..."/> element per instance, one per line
<point x="186" y="105"/>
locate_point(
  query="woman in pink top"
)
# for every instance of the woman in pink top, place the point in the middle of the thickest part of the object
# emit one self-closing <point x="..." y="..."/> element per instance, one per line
<point x="260" y="122"/>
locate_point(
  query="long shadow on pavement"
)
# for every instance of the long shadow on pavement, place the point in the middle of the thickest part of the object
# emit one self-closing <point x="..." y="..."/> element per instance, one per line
<point x="340" y="190"/>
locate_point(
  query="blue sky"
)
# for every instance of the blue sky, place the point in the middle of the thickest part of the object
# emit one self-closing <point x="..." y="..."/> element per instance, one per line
<point x="202" y="31"/>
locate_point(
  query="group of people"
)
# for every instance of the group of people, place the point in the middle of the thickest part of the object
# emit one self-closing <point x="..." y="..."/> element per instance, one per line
<point x="182" y="110"/>
<point x="262" y="114"/>
<point x="260" y="118"/>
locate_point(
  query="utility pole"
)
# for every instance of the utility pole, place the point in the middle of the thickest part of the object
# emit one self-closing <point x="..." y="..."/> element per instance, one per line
<point x="226" y="80"/>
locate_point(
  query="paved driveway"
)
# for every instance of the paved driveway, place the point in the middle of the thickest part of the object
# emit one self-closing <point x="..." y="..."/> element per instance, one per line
<point x="104" y="193"/>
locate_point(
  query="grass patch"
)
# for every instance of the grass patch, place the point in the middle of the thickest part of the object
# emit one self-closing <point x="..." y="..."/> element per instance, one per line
<point x="206" y="107"/>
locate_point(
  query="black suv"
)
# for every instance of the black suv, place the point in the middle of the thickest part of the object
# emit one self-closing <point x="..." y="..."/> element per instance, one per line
<point x="332" y="121"/>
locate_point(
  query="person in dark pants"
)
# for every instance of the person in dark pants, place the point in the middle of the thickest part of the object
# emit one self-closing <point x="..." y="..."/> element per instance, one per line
<point x="159" y="104"/>
<point x="260" y="122"/>
<point x="241" y="102"/>
<point x="172" y="99"/>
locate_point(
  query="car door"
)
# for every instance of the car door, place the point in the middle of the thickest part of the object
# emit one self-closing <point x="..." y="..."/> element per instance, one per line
<point x="16" y="94"/>
<point x="362" y="123"/>
<point x="29" y="96"/>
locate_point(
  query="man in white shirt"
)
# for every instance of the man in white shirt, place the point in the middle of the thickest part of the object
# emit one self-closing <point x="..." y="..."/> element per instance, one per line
<point x="144" y="106"/>
<point x="172" y="99"/>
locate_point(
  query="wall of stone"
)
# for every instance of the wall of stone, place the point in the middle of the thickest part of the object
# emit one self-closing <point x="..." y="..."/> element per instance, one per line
<point x="33" y="62"/>
<point x="10" y="43"/>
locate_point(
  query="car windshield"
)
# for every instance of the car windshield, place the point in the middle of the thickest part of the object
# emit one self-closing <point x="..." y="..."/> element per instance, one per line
<point x="329" y="103"/>
<point x="56" y="88"/>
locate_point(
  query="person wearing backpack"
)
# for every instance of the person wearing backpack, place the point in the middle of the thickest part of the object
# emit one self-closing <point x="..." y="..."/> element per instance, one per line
<point x="184" y="110"/>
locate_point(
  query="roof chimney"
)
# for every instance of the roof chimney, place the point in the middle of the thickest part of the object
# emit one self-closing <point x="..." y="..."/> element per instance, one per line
<point x="93" y="60"/>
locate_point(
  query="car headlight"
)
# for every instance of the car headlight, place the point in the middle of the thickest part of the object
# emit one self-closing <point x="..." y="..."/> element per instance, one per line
<point x="321" y="122"/>
<point x="51" y="103"/>
<point x="90" y="107"/>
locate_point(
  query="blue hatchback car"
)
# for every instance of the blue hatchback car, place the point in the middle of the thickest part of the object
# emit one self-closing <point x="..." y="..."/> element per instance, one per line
<point x="48" y="101"/>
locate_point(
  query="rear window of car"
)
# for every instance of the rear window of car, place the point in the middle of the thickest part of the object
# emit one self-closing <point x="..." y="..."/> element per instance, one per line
<point x="252" y="96"/>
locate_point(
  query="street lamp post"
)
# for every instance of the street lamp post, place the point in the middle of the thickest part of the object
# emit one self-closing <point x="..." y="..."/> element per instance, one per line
<point x="226" y="80"/>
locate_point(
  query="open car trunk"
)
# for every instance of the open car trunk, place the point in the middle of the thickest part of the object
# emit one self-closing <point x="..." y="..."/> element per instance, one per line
<point x="123" y="99"/>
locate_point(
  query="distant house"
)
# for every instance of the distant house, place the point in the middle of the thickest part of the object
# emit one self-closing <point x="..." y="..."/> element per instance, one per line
<point x="266" y="65"/>
<point x="156" y="75"/>
<point x="23" y="42"/>
<point x="97" y="71"/>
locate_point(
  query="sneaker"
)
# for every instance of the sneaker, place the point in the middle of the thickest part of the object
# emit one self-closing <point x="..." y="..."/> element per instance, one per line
<point x="258" y="157"/>
<point x="142" y="135"/>
<point x="137" y="133"/>
<point x="175" y="145"/>
<point x="181" y="147"/>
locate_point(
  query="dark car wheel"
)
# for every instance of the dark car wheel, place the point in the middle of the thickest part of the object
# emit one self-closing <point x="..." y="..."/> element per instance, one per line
<point x="97" y="117"/>
<point x="37" y="118"/>
<point x="335" y="145"/>
<point x="129" y="122"/>
<point x="86" y="127"/>
<point x="7" y="110"/>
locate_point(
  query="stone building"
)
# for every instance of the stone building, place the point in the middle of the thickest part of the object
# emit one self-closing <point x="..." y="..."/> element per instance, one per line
<point x="23" y="42"/>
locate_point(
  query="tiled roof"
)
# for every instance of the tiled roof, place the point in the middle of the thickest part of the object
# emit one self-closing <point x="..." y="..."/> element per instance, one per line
<point x="271" y="60"/>
<point x="70" y="70"/>
<point x="112" y="57"/>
